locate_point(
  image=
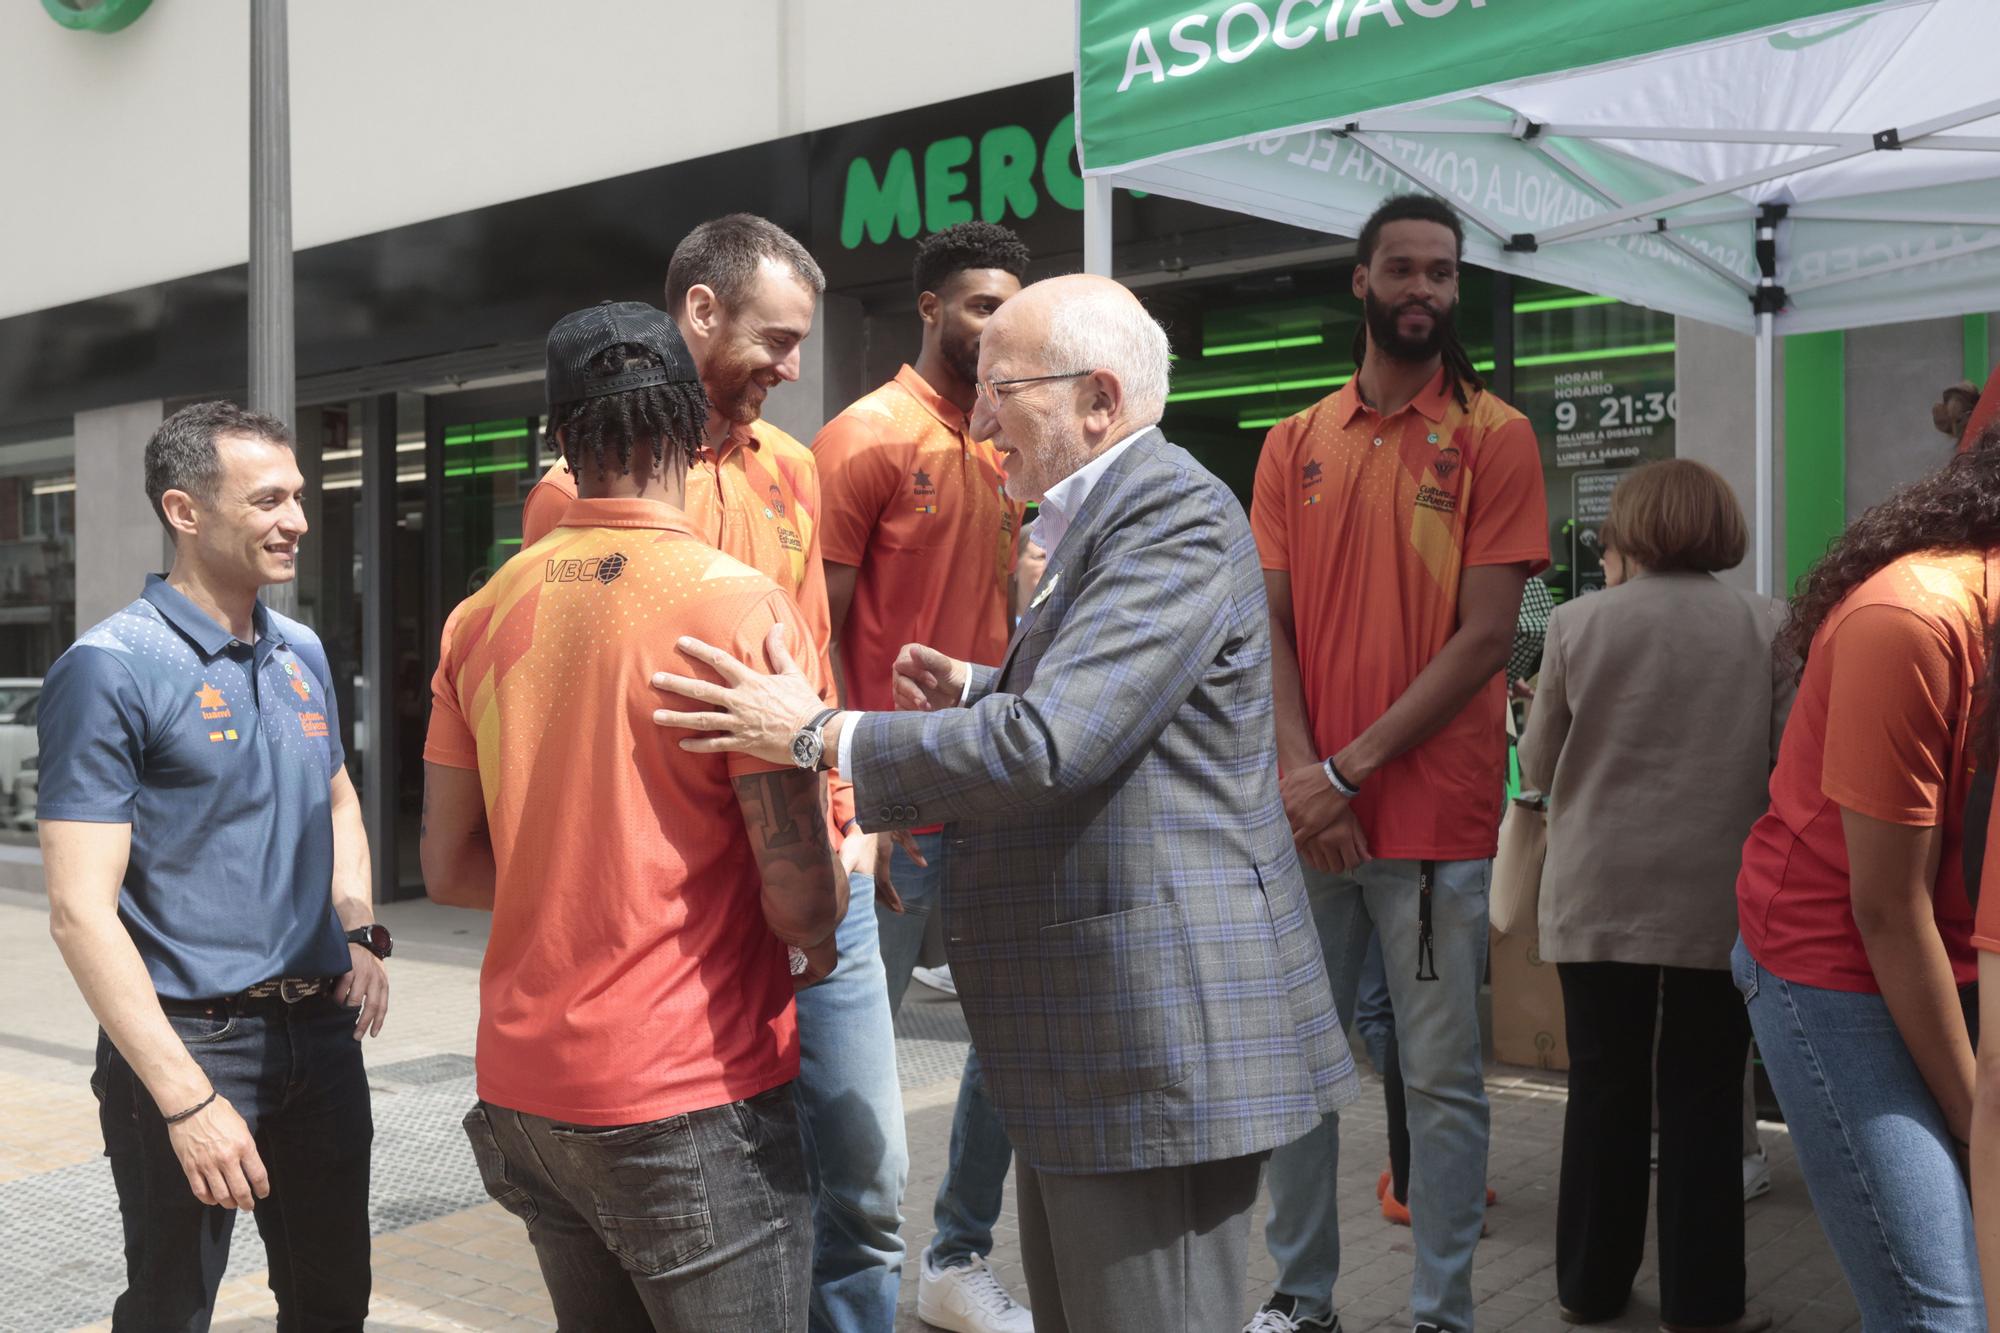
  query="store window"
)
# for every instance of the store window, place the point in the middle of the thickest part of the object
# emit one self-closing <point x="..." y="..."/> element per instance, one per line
<point x="37" y="607"/>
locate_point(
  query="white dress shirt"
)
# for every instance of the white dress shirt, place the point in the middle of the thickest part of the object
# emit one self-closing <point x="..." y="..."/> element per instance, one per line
<point x="1057" y="510"/>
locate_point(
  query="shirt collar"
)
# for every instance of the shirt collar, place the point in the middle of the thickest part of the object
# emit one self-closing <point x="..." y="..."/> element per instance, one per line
<point x="198" y="626"/>
<point x="1431" y="403"/>
<point x="933" y="402"/>
<point x="625" y="512"/>
<point x="739" y="437"/>
<point x="1064" y="500"/>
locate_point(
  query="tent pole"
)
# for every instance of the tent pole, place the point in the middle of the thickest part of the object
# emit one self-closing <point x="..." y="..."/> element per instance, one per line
<point x="1765" y="498"/>
<point x="1097" y="225"/>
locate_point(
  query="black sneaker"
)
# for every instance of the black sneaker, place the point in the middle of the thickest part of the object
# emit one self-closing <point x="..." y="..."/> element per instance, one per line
<point x="1429" y="1328"/>
<point x="1280" y="1315"/>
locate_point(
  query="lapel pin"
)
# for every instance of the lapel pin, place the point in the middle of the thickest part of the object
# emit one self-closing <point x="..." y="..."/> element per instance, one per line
<point x="1043" y="595"/>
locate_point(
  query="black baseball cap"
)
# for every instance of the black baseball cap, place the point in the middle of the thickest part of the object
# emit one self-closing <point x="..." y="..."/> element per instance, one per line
<point x="578" y="337"/>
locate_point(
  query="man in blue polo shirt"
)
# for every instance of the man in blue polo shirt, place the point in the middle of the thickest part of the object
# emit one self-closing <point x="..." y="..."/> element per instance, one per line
<point x="208" y="887"/>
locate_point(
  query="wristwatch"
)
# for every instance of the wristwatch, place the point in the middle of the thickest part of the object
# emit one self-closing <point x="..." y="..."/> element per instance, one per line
<point x="375" y="939"/>
<point x="808" y="749"/>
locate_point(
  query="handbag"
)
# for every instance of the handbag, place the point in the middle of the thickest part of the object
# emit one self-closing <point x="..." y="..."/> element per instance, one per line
<point x="1517" y="867"/>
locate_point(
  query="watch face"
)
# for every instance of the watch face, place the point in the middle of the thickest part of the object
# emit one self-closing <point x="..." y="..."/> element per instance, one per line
<point x="806" y="749"/>
<point x="378" y="941"/>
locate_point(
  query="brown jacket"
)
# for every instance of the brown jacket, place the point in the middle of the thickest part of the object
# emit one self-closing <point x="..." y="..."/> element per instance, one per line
<point x="1653" y="731"/>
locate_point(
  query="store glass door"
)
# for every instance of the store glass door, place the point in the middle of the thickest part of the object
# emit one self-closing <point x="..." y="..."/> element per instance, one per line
<point x="459" y="520"/>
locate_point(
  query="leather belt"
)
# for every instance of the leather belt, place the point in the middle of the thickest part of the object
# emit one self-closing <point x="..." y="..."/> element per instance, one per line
<point x="285" y="991"/>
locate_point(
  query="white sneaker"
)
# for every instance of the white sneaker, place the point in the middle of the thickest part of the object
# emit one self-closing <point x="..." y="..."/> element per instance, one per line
<point x="967" y="1298"/>
<point x="1756" y="1175"/>
<point x="937" y="978"/>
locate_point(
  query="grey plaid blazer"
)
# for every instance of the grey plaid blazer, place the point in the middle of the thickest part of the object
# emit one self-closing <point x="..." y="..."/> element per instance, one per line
<point x="1123" y="909"/>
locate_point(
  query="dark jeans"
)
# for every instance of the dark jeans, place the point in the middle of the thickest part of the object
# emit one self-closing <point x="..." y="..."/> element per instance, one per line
<point x="294" y="1074"/>
<point x="698" y="1222"/>
<point x="1704" y="1038"/>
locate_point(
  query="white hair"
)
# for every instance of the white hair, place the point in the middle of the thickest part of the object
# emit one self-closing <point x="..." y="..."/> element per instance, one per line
<point x="1105" y="329"/>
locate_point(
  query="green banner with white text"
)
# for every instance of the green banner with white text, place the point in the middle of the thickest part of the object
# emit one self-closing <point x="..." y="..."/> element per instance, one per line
<point x="1161" y="77"/>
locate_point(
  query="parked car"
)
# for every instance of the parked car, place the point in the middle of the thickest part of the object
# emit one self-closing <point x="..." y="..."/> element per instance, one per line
<point x="19" y="697"/>
<point x="21" y="809"/>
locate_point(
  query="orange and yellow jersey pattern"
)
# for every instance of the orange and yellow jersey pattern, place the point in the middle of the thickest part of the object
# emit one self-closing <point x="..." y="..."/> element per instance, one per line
<point x="920" y="509"/>
<point x="1374" y="519"/>
<point x="630" y="975"/>
<point x="757" y="498"/>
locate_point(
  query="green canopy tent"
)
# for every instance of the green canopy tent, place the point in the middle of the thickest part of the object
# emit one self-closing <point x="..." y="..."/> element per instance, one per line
<point x="1773" y="166"/>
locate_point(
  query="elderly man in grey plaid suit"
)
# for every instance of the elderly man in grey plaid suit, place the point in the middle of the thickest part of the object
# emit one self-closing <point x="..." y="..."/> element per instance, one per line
<point x="1124" y="912"/>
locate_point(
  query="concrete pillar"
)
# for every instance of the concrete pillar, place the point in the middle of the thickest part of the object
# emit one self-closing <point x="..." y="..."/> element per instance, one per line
<point x="1715" y="372"/>
<point x="1895" y="372"/>
<point x="119" y="539"/>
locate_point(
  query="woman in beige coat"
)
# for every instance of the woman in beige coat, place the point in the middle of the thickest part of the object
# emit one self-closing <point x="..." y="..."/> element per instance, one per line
<point x="1654" y="726"/>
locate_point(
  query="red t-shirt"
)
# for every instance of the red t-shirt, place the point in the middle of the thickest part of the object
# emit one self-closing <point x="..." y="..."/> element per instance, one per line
<point x="1881" y="728"/>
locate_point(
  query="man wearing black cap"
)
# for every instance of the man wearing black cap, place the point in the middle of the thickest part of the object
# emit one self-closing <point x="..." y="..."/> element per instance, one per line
<point x="637" y="1037"/>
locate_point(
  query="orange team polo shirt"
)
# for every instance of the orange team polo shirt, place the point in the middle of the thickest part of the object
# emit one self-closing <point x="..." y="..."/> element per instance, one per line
<point x="1880" y="727"/>
<point x="629" y="975"/>
<point x="921" y="509"/>
<point x="1375" y="519"/>
<point x="758" y="499"/>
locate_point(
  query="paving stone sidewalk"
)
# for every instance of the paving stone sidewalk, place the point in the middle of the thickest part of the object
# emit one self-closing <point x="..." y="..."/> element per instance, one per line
<point x="445" y="1258"/>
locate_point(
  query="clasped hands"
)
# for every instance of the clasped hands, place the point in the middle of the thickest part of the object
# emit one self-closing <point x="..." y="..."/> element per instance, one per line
<point x="1324" y="827"/>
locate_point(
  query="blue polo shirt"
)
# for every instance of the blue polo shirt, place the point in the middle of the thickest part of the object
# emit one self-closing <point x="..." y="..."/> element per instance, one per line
<point x="218" y="753"/>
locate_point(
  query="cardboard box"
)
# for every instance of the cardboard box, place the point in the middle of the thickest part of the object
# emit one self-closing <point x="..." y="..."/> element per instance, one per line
<point x="1527" y="1005"/>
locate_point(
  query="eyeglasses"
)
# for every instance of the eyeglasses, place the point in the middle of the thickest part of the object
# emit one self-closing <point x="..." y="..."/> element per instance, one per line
<point x="990" y="389"/>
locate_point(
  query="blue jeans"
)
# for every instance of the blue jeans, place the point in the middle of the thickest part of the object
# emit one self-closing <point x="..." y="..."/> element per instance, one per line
<point x="1438" y="1047"/>
<point x="697" y="1221"/>
<point x="1877" y="1155"/>
<point x="851" y="1112"/>
<point x="969" y="1197"/>
<point x="294" y="1074"/>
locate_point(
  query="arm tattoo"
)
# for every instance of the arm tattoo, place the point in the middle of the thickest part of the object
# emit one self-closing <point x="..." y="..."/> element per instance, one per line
<point x="785" y="816"/>
<point x="776" y="799"/>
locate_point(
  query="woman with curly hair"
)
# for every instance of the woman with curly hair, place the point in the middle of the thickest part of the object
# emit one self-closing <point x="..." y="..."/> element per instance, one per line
<point x="1856" y="946"/>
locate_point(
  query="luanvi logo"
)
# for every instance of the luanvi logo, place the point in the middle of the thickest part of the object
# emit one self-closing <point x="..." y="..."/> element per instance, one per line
<point x="601" y="568"/>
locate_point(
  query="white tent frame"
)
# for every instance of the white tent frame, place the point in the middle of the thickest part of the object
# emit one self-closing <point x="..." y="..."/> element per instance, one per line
<point x="1628" y="217"/>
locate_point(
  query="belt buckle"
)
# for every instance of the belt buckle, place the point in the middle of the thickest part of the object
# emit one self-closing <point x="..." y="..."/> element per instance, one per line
<point x="293" y="989"/>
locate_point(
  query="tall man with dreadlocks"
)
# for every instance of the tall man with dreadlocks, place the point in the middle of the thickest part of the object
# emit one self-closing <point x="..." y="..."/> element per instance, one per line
<point x="637" y="1036"/>
<point x="1398" y="520"/>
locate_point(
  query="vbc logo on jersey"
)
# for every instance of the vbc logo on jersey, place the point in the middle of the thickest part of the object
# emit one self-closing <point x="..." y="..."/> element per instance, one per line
<point x="601" y="568"/>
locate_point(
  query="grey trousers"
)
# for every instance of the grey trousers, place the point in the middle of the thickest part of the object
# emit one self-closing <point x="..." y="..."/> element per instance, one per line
<point x="1161" y="1251"/>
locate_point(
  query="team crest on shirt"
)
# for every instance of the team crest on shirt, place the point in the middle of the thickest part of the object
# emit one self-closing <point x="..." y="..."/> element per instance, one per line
<point x="296" y="681"/>
<point x="775" y="509"/>
<point x="1446" y="462"/>
<point x="213" y="706"/>
<point x="1310" y="476"/>
<point x="925" y="492"/>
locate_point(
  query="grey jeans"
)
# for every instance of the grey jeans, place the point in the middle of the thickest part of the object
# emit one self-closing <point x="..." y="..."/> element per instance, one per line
<point x="697" y="1222"/>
